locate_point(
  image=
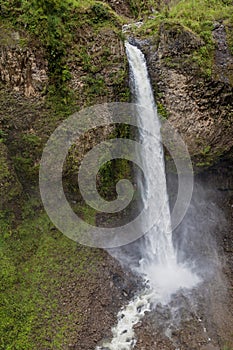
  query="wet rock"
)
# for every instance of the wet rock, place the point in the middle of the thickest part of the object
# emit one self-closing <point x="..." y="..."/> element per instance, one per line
<point x="176" y="41"/>
<point x="223" y="68"/>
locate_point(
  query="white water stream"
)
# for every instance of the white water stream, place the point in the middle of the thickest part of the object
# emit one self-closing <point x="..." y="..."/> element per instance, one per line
<point x="158" y="265"/>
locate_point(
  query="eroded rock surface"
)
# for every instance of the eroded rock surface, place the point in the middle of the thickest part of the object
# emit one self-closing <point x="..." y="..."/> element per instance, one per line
<point x="201" y="108"/>
<point x="24" y="69"/>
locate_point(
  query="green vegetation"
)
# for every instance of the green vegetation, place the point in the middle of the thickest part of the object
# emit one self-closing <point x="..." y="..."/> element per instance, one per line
<point x="162" y="110"/>
<point x="206" y="150"/>
<point x="55" y="24"/>
<point x="227" y="347"/>
<point x="2" y="135"/>
<point x="110" y="173"/>
<point x="9" y="184"/>
<point x="46" y="20"/>
<point x="117" y="169"/>
<point x="229" y="29"/>
<point x="58" y="27"/>
<point x="140" y="8"/>
<point x="101" y="13"/>
<point x="36" y="261"/>
<point x="208" y="156"/>
<point x="199" y="17"/>
<point x="195" y="14"/>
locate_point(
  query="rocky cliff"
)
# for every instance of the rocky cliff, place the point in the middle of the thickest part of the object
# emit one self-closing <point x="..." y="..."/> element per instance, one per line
<point x="195" y="99"/>
<point x="50" y="286"/>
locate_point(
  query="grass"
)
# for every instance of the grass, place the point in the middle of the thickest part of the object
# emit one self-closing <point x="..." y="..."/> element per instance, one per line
<point x="197" y="16"/>
<point x="194" y="13"/>
<point x="9" y="184"/>
<point x="226" y="347"/>
<point x="36" y="262"/>
<point x="55" y="24"/>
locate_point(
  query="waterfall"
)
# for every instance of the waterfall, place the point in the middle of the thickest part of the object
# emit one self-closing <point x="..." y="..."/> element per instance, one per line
<point x="158" y="263"/>
<point x="159" y="241"/>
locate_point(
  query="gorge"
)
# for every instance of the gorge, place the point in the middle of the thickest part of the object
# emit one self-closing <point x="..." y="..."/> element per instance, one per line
<point x="58" y="57"/>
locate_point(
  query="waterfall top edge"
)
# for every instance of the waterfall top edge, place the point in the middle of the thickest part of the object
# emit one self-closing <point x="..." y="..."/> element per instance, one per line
<point x="134" y="42"/>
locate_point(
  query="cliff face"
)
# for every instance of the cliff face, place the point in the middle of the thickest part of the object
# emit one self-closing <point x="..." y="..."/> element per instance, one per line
<point x="54" y="289"/>
<point x="198" y="103"/>
<point x="191" y="73"/>
<point x="23" y="69"/>
<point x="35" y="98"/>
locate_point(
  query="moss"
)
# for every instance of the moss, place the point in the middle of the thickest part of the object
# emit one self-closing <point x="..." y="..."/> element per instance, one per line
<point x="36" y="260"/>
<point x="3" y="134"/>
<point x="85" y="212"/>
<point x="42" y="260"/>
<point x="204" y="58"/>
<point x="204" y="164"/>
<point x="144" y="8"/>
<point x="227" y="347"/>
<point x="100" y="12"/>
<point x="229" y="31"/>
<point x="54" y="24"/>
<point x="197" y="16"/>
<point x="9" y="184"/>
<point x="150" y="27"/>
<point x="162" y="110"/>
<point x="196" y="13"/>
<point x="206" y="150"/>
<point x="208" y="157"/>
<point x="113" y="171"/>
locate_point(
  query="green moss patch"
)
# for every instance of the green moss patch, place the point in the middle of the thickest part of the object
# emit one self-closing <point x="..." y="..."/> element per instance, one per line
<point x="197" y="16"/>
<point x="37" y="265"/>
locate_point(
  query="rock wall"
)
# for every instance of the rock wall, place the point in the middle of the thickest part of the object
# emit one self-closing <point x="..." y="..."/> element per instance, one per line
<point x="24" y="69"/>
<point x="200" y="107"/>
<point x="98" y="69"/>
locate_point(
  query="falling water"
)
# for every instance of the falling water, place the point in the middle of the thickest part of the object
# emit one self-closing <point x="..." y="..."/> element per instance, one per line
<point x="158" y="265"/>
<point x="159" y="262"/>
